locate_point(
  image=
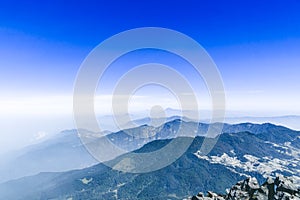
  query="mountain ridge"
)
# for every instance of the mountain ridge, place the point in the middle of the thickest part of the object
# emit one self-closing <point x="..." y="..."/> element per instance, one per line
<point x="66" y="149"/>
<point x="235" y="156"/>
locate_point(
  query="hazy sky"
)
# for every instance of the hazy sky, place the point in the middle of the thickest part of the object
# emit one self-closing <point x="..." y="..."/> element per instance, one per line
<point x="255" y="45"/>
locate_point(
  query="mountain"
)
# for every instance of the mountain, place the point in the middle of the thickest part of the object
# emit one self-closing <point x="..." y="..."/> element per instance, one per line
<point x="65" y="151"/>
<point x="134" y="138"/>
<point x="237" y="154"/>
<point x="290" y="121"/>
<point x="59" y="153"/>
<point x="148" y="121"/>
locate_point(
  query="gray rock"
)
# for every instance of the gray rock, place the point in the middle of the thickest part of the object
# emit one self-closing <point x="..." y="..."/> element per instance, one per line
<point x="253" y="184"/>
<point x="285" y="184"/>
<point x="282" y="188"/>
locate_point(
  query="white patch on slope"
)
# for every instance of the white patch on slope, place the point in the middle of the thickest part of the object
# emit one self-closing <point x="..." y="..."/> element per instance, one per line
<point x="232" y="151"/>
<point x="86" y="181"/>
<point x="265" y="166"/>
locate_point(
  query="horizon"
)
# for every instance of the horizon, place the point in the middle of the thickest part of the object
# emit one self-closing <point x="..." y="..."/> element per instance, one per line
<point x="42" y="136"/>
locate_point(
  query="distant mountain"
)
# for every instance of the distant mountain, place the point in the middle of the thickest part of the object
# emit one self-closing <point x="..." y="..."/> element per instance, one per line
<point x="134" y="138"/>
<point x="65" y="151"/>
<point x="60" y="153"/>
<point x="149" y="121"/>
<point x="267" y="151"/>
<point x="290" y="121"/>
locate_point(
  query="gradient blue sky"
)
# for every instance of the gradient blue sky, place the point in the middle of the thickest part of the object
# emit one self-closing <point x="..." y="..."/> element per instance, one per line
<point x="255" y="44"/>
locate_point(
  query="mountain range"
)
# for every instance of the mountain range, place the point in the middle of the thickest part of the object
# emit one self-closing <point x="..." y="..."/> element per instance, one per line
<point x="65" y="151"/>
<point x="242" y="150"/>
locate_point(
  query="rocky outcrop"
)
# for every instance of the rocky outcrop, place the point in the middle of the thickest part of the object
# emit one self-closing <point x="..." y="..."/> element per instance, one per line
<point x="280" y="188"/>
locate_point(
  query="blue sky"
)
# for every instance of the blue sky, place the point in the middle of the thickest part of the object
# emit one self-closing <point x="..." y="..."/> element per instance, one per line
<point x="43" y="44"/>
<point x="255" y="45"/>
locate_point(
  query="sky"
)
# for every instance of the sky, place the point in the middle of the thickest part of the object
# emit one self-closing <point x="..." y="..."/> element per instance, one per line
<point x="255" y="45"/>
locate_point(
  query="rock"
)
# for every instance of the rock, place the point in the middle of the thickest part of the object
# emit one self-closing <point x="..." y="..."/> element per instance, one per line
<point x="260" y="196"/>
<point x="285" y="185"/>
<point x="200" y="194"/>
<point x="268" y="188"/>
<point x="282" y="188"/>
<point x="253" y="184"/>
<point x="196" y="198"/>
<point x="244" y="189"/>
<point x="269" y="181"/>
<point x="211" y="194"/>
